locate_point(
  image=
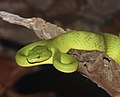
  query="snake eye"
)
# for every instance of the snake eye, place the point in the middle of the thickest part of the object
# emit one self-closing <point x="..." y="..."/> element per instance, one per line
<point x="38" y="57"/>
<point x="38" y="54"/>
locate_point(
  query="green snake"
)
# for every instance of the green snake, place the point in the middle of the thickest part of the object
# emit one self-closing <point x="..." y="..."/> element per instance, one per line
<point x="54" y="51"/>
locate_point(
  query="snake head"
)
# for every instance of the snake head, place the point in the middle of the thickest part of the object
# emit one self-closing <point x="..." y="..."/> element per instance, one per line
<point x="38" y="54"/>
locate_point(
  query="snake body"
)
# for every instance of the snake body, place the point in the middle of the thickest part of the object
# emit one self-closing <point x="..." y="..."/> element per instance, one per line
<point x="54" y="51"/>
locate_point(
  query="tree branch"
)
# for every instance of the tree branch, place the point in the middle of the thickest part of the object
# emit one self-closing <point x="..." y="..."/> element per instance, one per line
<point x="43" y="29"/>
<point x="99" y="68"/>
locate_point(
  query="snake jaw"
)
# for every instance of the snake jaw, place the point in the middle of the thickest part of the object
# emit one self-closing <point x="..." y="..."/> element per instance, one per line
<point x="37" y="60"/>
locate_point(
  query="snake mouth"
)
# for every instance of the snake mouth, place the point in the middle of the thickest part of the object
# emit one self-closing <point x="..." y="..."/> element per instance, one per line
<point x="36" y="60"/>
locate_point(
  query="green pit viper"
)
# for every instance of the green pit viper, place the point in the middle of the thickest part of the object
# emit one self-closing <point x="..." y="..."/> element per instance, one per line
<point x="54" y="51"/>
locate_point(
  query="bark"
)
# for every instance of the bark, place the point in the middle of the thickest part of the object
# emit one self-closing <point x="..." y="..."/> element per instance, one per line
<point x="43" y="29"/>
<point x="99" y="68"/>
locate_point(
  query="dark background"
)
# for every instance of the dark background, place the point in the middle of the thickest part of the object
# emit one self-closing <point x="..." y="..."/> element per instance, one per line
<point x="89" y="15"/>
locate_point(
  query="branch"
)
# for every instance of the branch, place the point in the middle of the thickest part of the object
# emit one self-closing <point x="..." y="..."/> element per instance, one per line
<point x="99" y="68"/>
<point x="43" y="29"/>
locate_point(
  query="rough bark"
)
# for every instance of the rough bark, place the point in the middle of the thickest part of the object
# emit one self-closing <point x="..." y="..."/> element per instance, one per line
<point x="99" y="68"/>
<point x="43" y="29"/>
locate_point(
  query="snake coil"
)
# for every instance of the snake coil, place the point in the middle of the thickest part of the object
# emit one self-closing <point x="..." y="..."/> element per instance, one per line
<point x="54" y="51"/>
